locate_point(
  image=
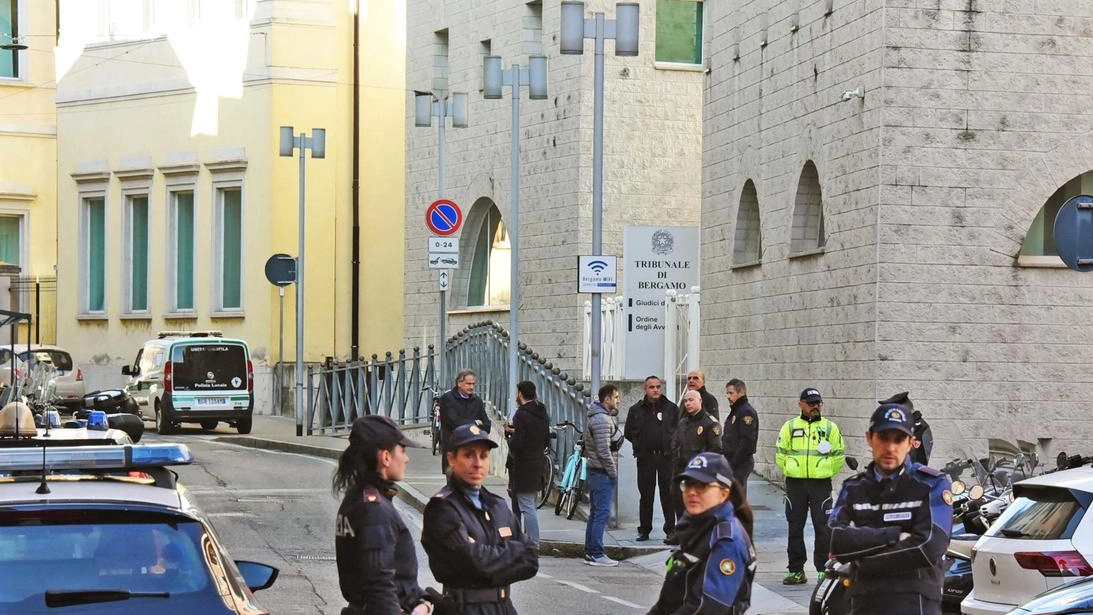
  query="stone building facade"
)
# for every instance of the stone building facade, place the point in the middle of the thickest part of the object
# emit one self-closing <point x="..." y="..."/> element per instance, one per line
<point x="879" y="181"/>
<point x="652" y="153"/>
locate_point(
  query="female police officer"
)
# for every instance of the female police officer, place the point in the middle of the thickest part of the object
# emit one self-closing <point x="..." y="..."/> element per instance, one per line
<point x="475" y="546"/>
<point x="712" y="570"/>
<point x="377" y="565"/>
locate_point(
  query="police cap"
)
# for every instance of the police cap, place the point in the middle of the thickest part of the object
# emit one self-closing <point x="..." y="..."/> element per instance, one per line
<point x="892" y="416"/>
<point x="379" y="431"/>
<point x="467" y="434"/>
<point x="811" y="395"/>
<point x="708" y="468"/>
<point x="899" y="398"/>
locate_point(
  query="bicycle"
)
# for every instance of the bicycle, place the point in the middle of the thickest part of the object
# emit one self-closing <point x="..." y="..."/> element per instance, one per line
<point x="574" y="477"/>
<point x="434" y="419"/>
<point x="548" y="472"/>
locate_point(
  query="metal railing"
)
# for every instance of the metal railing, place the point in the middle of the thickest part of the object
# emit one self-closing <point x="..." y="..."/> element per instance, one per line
<point x="404" y="388"/>
<point x="612" y="338"/>
<point x="681" y="339"/>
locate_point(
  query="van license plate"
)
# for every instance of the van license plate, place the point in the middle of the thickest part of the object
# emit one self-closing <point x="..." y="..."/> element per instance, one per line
<point x="212" y="401"/>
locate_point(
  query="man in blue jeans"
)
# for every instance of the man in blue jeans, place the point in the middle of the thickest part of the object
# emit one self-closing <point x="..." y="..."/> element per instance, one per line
<point x="602" y="439"/>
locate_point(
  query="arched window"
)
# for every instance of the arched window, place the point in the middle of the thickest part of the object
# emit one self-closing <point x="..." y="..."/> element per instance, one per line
<point x="489" y="275"/>
<point x="1040" y="239"/>
<point x="807" y="233"/>
<point x="748" y="243"/>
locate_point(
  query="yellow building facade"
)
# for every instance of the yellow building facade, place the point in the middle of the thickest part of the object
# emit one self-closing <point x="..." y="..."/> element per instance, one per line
<point x="172" y="193"/>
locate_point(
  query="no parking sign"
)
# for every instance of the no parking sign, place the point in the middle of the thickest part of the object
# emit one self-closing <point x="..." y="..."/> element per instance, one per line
<point x="443" y="217"/>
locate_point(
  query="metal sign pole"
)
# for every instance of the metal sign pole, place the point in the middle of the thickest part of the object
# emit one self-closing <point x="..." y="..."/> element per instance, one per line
<point x="441" y="347"/>
<point x="281" y="356"/>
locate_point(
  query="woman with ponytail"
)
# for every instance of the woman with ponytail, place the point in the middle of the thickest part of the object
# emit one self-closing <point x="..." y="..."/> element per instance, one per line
<point x="711" y="570"/>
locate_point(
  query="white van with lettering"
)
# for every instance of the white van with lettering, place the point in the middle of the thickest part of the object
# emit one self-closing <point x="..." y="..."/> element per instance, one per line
<point x="193" y="377"/>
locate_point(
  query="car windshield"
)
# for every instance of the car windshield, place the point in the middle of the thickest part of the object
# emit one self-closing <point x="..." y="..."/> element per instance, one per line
<point x="209" y="367"/>
<point x="57" y="358"/>
<point x="1041" y="513"/>
<point x="71" y="555"/>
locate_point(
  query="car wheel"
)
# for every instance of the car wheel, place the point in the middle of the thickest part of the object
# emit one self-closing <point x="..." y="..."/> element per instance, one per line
<point x="164" y="426"/>
<point x="208" y="425"/>
<point x="243" y="425"/>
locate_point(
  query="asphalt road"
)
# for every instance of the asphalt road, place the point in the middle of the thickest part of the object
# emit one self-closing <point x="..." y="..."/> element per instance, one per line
<point x="277" y="508"/>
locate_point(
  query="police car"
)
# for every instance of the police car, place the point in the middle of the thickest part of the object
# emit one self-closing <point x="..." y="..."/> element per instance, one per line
<point x="20" y="427"/>
<point x="1042" y="540"/>
<point x="107" y="529"/>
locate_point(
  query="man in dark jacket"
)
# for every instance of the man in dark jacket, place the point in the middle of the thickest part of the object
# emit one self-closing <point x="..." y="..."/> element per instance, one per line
<point x="475" y="547"/>
<point x="460" y="406"/>
<point x="696" y="381"/>
<point x="893" y="521"/>
<point x="741" y="432"/>
<point x="924" y="437"/>
<point x="530" y="435"/>
<point x="650" y="424"/>
<point x="697" y="432"/>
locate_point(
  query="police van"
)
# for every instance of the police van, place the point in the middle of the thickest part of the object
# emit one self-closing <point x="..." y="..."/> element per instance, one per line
<point x="193" y="377"/>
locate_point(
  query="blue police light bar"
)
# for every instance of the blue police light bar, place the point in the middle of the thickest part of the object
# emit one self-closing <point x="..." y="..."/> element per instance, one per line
<point x="107" y="457"/>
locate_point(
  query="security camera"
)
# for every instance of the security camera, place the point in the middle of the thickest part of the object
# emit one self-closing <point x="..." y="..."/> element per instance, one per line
<point x="855" y="93"/>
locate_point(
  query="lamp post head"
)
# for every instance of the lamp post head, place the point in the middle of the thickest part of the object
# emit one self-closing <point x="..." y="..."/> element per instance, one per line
<point x="537" y="77"/>
<point x="287" y="138"/>
<point x="627" y="25"/>
<point x="492" y="77"/>
<point x="423" y="109"/>
<point x="572" y="28"/>
<point x="459" y="110"/>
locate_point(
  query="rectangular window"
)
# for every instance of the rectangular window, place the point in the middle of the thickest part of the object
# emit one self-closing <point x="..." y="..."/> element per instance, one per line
<point x="138" y="252"/>
<point x="440" y="64"/>
<point x="95" y="254"/>
<point x="533" y="29"/>
<point x="183" y="205"/>
<point x="679" y="31"/>
<point x="9" y="30"/>
<point x="231" y="248"/>
<point x="11" y="247"/>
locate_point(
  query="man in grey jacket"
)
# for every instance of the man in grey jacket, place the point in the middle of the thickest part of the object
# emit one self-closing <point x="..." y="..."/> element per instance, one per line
<point x="602" y="439"/>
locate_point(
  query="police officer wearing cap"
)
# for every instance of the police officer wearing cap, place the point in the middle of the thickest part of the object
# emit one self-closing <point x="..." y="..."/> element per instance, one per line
<point x="377" y="564"/>
<point x="924" y="437"/>
<point x="475" y="546"/>
<point x="712" y="569"/>
<point x="893" y="521"/>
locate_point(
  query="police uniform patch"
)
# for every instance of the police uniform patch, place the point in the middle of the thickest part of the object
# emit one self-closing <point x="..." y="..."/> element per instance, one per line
<point x="947" y="497"/>
<point x="700" y="430"/>
<point x="727" y="567"/>
<point x="475" y="430"/>
<point x="748" y="420"/>
<point x="717" y="430"/>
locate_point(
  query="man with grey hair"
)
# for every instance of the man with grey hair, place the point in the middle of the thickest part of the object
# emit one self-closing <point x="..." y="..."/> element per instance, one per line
<point x="460" y="406"/>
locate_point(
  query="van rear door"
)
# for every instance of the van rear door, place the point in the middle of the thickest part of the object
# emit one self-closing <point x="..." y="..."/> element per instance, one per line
<point x="210" y="374"/>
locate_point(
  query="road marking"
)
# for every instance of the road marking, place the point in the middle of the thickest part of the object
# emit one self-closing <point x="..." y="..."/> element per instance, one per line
<point x="585" y="589"/>
<point x="623" y="602"/>
<point x="543" y="575"/>
<point x="229" y="514"/>
<point x="330" y="462"/>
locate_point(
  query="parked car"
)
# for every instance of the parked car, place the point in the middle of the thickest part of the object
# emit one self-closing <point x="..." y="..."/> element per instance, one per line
<point x="193" y="377"/>
<point x="1043" y="539"/>
<point x="1072" y="598"/>
<point x="69" y="384"/>
<point x="108" y="529"/>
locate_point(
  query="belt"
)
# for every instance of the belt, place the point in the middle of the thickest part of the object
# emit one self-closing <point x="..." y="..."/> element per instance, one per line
<point x="477" y="596"/>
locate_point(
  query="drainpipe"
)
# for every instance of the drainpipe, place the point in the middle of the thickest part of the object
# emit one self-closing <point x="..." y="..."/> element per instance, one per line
<point x="355" y="302"/>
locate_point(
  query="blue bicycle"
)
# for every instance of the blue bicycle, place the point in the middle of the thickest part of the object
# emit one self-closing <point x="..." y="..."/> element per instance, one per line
<point x="574" y="477"/>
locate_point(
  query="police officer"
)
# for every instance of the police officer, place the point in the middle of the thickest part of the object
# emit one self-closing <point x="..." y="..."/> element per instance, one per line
<point x="475" y="546"/>
<point x="924" y="437"/>
<point x="711" y="571"/>
<point x="460" y="406"/>
<point x="741" y="432"/>
<point x="697" y="432"/>
<point x="650" y="424"/>
<point x="377" y="565"/>
<point x="893" y="522"/>
<point x="809" y="452"/>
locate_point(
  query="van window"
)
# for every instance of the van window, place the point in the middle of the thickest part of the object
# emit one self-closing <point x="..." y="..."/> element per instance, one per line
<point x="209" y="367"/>
<point x="59" y="359"/>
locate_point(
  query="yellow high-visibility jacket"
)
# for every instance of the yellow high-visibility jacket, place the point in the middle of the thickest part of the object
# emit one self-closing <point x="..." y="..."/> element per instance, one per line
<point x="799" y="445"/>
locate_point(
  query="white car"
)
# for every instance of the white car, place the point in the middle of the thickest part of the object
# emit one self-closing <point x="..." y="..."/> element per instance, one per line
<point x="69" y="384"/>
<point x="1044" y="539"/>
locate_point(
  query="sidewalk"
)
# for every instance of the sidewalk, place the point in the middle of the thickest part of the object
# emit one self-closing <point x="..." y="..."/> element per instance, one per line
<point x="564" y="538"/>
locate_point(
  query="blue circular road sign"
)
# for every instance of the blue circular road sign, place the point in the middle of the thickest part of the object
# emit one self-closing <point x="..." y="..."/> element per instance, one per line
<point x="1074" y="233"/>
<point x="443" y="218"/>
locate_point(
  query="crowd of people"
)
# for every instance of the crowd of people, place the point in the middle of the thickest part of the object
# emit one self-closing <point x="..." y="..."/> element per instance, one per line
<point x="891" y="520"/>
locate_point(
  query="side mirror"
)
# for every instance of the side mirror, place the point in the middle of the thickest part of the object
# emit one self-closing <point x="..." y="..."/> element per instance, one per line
<point x="256" y="576"/>
<point x="126" y="370"/>
<point x="852" y="463"/>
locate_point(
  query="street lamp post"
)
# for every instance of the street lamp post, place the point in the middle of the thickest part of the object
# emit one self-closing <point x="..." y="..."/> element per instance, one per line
<point x="534" y="76"/>
<point x="575" y="28"/>
<point x="317" y="144"/>
<point x="426" y="107"/>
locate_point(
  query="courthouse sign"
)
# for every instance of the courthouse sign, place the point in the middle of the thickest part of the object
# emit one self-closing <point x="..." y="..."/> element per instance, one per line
<point x="656" y="259"/>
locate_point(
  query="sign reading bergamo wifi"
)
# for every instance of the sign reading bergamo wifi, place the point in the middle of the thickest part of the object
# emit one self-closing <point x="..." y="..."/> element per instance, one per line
<point x="597" y="274"/>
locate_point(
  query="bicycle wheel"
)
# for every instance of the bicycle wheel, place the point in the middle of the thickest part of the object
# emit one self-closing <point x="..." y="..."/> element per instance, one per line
<point x="575" y="498"/>
<point x="563" y="499"/>
<point x="548" y="482"/>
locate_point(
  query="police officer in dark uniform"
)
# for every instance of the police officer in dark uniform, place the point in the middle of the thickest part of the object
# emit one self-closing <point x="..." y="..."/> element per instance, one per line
<point x="377" y="565"/>
<point x="475" y="546"/>
<point x="460" y="406"/>
<point x="893" y="521"/>
<point x="741" y="434"/>
<point x="924" y="437"/>
<point x="650" y="424"/>
<point x="697" y="432"/>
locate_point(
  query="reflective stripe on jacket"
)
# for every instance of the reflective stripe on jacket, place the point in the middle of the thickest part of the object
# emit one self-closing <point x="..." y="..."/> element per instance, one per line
<point x="798" y="454"/>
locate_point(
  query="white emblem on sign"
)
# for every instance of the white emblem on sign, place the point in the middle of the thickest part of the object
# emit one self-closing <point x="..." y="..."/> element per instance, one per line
<point x="663" y="242"/>
<point x="237" y="382"/>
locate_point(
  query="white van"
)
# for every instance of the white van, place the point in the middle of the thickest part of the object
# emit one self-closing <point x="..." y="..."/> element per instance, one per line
<point x="193" y="377"/>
